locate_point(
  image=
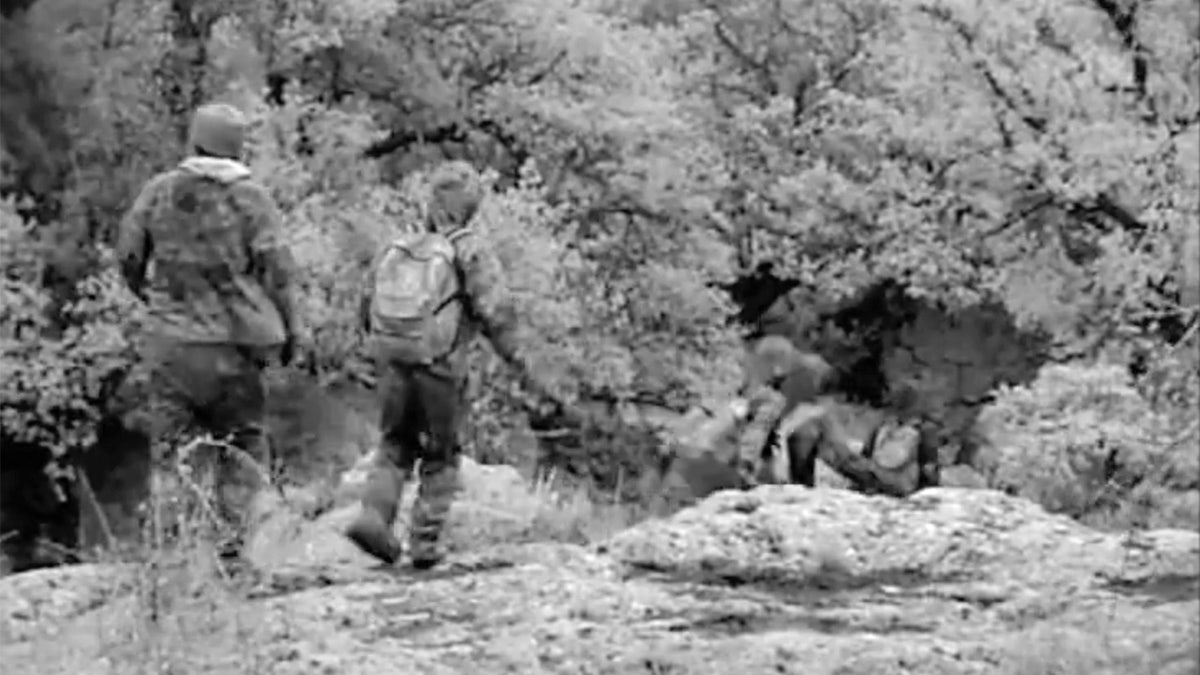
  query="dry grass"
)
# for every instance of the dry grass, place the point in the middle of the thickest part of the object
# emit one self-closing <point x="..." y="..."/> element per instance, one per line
<point x="163" y="613"/>
<point x="560" y="511"/>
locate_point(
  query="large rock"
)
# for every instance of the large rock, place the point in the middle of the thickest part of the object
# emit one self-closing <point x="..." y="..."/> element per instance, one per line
<point x="781" y="579"/>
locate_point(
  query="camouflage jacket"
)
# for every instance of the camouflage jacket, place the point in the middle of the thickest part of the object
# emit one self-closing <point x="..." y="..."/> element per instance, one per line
<point x="203" y="246"/>
<point x="489" y="308"/>
<point x="767" y="409"/>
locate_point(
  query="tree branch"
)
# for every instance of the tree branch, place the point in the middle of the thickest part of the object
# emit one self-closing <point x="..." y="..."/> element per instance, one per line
<point x="758" y="68"/>
<point x="1102" y="203"/>
<point x="454" y="132"/>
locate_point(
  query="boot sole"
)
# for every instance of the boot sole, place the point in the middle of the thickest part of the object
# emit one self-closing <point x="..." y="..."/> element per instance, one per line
<point x="369" y="544"/>
<point x="425" y="564"/>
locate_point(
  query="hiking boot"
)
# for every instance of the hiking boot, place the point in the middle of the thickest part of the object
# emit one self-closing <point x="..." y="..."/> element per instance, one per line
<point x="230" y="549"/>
<point x="425" y="546"/>
<point x="427" y="560"/>
<point x="373" y="536"/>
<point x="233" y="563"/>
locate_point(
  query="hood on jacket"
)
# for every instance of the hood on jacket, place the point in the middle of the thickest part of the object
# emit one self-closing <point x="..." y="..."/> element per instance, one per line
<point x="216" y="168"/>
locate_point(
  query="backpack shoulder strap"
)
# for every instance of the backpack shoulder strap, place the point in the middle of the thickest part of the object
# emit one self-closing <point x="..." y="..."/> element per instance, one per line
<point x="458" y="234"/>
<point x="456" y="263"/>
<point x="453" y="238"/>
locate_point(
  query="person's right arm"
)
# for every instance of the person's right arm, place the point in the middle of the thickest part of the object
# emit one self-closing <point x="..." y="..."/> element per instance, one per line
<point x="486" y="295"/>
<point x="491" y="306"/>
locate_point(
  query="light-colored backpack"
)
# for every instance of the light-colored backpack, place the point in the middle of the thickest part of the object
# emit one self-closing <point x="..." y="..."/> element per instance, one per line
<point x="416" y="305"/>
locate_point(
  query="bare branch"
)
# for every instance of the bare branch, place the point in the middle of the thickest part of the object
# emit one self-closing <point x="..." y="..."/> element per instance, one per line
<point x="759" y="68"/>
<point x="1102" y="203"/>
<point x="1123" y="16"/>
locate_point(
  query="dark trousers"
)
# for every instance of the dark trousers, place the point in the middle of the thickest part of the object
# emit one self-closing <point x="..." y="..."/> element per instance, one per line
<point x="420" y="418"/>
<point x="214" y="388"/>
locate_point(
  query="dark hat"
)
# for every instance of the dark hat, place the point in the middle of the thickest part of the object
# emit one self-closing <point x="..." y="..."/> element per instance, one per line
<point x="217" y="129"/>
<point x="457" y="175"/>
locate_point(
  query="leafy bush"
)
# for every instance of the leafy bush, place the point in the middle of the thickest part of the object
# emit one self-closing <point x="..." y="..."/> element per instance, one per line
<point x="61" y="361"/>
<point x="1082" y="440"/>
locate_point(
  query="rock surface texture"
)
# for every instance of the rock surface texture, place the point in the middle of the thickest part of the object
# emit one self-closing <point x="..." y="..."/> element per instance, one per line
<point x="781" y="579"/>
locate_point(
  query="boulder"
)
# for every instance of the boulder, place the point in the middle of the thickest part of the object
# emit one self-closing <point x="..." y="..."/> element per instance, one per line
<point x="780" y="579"/>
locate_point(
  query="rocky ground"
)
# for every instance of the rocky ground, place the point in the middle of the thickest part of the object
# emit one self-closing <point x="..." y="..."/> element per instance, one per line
<point x="777" y="580"/>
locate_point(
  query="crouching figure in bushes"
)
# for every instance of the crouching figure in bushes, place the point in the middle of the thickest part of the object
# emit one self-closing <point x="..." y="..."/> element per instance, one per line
<point x="709" y="451"/>
<point x="700" y="458"/>
<point x="791" y="385"/>
<point x="203" y="246"/>
<point x="426" y="295"/>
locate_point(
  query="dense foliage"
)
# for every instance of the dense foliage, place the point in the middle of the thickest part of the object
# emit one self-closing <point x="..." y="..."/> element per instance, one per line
<point x="1045" y="156"/>
<point x="56" y="372"/>
<point x="1084" y="441"/>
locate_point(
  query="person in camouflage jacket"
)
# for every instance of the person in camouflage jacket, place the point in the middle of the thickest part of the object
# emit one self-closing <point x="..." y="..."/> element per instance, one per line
<point x="794" y="428"/>
<point x="203" y="247"/>
<point x="706" y="453"/>
<point x="423" y="405"/>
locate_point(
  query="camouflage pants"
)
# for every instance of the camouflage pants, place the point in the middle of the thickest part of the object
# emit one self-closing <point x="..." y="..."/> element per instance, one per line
<point x="420" y="419"/>
<point x="791" y="450"/>
<point x="214" y="388"/>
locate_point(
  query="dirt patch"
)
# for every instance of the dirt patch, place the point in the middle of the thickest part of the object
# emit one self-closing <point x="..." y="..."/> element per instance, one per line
<point x="787" y="586"/>
<point x="1159" y="590"/>
<point x="790" y="618"/>
<point x="827" y="603"/>
<point x="285" y="581"/>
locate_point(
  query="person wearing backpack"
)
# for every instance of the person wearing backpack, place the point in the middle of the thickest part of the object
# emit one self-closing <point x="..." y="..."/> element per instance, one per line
<point x="426" y="296"/>
<point x="203" y="246"/>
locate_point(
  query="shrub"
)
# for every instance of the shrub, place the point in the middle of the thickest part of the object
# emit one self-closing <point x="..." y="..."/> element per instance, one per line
<point x="61" y="360"/>
<point x="1082" y="440"/>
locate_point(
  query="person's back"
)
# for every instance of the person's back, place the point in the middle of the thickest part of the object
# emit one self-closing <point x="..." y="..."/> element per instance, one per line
<point x="204" y="246"/>
<point x="424" y="299"/>
<point x="201" y="286"/>
<point x="415" y="314"/>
